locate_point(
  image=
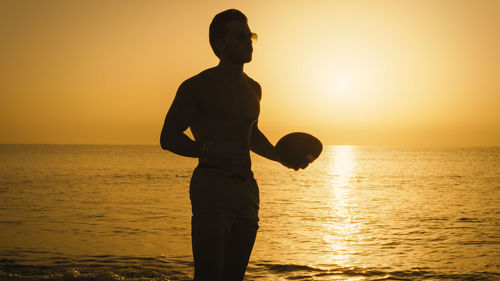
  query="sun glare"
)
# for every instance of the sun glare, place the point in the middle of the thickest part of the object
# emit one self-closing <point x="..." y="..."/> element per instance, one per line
<point x="343" y="221"/>
<point x="338" y="83"/>
<point x="342" y="84"/>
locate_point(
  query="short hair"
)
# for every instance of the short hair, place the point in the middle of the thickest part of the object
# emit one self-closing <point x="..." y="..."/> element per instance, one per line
<point x="218" y="25"/>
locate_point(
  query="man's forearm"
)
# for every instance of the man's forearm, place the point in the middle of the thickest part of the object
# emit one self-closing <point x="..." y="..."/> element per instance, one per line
<point x="180" y="143"/>
<point x="261" y="145"/>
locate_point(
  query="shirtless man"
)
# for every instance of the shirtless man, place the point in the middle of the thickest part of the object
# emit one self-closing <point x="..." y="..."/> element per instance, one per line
<point x="221" y="106"/>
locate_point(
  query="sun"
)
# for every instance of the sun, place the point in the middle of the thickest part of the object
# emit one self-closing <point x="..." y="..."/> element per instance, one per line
<point x="342" y="84"/>
<point x="336" y="87"/>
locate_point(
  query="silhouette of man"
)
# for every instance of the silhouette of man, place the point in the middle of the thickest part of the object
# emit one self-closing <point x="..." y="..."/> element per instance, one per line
<point x="221" y="106"/>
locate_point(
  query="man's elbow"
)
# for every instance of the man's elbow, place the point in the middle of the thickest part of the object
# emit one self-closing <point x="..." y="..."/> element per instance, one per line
<point x="165" y="141"/>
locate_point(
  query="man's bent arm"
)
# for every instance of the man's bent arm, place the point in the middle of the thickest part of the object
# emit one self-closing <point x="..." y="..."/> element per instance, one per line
<point x="261" y="145"/>
<point x="178" y="119"/>
<point x="179" y="143"/>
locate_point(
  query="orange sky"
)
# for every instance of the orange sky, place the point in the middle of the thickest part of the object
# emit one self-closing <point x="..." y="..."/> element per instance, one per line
<point x="350" y="72"/>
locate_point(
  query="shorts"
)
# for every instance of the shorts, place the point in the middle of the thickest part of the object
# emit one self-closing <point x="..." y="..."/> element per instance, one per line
<point x="214" y="191"/>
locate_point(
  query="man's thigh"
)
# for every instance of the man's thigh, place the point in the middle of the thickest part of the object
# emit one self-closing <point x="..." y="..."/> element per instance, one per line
<point x="238" y="248"/>
<point x="209" y="234"/>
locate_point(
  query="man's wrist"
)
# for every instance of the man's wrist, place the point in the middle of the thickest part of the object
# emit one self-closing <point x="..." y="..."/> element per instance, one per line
<point x="275" y="155"/>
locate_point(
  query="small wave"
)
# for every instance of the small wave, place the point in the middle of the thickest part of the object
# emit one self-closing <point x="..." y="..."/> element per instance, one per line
<point x="96" y="268"/>
<point x="113" y="268"/>
<point x="75" y="275"/>
<point x="11" y="222"/>
<point x="328" y="272"/>
<point x="288" y="267"/>
<point x="469" y="220"/>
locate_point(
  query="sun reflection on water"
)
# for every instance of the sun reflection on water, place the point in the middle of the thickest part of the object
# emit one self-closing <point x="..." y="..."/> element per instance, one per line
<point x="341" y="225"/>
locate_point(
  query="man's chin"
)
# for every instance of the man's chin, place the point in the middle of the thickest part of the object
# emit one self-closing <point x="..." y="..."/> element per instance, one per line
<point x="240" y="60"/>
<point x="247" y="59"/>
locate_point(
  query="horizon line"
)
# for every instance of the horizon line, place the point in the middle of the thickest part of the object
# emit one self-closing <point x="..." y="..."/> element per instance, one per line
<point x="373" y="145"/>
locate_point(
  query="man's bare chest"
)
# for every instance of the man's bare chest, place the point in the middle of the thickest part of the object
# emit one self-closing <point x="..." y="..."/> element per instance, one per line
<point x="225" y="102"/>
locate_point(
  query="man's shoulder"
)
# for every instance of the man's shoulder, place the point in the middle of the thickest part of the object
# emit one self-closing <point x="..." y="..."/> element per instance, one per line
<point x="199" y="79"/>
<point x="195" y="85"/>
<point x="252" y="81"/>
<point x="254" y="84"/>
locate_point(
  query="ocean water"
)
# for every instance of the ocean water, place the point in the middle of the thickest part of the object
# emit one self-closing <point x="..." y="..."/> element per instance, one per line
<point x="71" y="212"/>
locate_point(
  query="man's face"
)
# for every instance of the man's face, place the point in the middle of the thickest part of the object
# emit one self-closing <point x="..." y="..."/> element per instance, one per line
<point x="238" y="42"/>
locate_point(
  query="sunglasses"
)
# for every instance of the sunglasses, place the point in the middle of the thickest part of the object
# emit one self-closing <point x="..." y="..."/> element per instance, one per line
<point x="242" y="36"/>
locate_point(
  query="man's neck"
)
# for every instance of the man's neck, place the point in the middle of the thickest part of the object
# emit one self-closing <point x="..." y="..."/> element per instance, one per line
<point x="230" y="70"/>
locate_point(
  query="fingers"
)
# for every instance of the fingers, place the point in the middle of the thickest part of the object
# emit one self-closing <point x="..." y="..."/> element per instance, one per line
<point x="304" y="165"/>
<point x="301" y="166"/>
<point x="297" y="166"/>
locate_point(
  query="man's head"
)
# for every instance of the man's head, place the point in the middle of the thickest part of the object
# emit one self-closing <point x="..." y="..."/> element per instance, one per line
<point x="230" y="36"/>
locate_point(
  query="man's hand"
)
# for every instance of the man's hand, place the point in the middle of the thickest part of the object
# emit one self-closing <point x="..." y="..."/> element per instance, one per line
<point x="296" y="165"/>
<point x="301" y="164"/>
